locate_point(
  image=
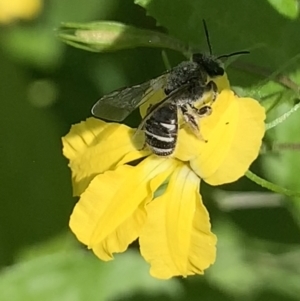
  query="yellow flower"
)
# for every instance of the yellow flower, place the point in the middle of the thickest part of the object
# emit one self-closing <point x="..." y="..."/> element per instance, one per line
<point x="18" y="9"/>
<point x="120" y="200"/>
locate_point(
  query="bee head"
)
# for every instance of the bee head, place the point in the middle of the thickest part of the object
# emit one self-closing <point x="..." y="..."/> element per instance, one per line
<point x="211" y="65"/>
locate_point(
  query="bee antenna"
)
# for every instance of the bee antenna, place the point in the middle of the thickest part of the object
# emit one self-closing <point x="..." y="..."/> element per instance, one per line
<point x="233" y="54"/>
<point x="207" y="36"/>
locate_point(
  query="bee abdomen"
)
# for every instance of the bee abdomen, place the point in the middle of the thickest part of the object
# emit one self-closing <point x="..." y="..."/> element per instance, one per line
<point x="161" y="130"/>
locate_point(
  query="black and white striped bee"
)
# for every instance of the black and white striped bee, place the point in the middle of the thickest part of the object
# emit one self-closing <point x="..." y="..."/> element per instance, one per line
<point x="185" y="85"/>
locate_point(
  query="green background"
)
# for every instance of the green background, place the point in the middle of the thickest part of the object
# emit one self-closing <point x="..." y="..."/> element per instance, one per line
<point x="46" y="86"/>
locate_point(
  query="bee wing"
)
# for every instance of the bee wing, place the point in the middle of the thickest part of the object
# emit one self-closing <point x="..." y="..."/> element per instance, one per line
<point x="117" y="105"/>
<point x="173" y="95"/>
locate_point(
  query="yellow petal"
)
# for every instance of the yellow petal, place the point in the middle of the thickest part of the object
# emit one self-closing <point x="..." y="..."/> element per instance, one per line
<point x="222" y="82"/>
<point x="176" y="238"/>
<point x="234" y="133"/>
<point x="110" y="213"/>
<point x="95" y="146"/>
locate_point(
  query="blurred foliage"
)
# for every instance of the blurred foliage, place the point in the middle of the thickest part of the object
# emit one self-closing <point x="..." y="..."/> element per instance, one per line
<point x="60" y="271"/>
<point x="19" y="9"/>
<point x="46" y="86"/>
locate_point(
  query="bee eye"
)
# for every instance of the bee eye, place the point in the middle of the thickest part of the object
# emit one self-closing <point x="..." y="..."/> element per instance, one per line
<point x="219" y="71"/>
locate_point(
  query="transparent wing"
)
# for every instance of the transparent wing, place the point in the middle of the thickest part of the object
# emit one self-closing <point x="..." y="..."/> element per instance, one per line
<point x="176" y="94"/>
<point x="117" y="105"/>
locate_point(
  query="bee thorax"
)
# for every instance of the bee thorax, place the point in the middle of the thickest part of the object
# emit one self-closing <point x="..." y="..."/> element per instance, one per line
<point x="184" y="73"/>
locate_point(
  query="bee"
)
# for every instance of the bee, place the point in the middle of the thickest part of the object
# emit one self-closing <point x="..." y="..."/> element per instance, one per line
<point x="184" y="86"/>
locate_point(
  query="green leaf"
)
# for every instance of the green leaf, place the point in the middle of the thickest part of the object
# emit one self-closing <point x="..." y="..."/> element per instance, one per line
<point x="275" y="88"/>
<point x="247" y="266"/>
<point x="233" y="25"/>
<point x="111" y="36"/>
<point x="288" y="8"/>
<point x="226" y="272"/>
<point x="73" y="274"/>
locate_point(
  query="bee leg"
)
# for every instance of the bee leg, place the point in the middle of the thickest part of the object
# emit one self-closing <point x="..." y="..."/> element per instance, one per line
<point x="191" y="117"/>
<point x="212" y="87"/>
